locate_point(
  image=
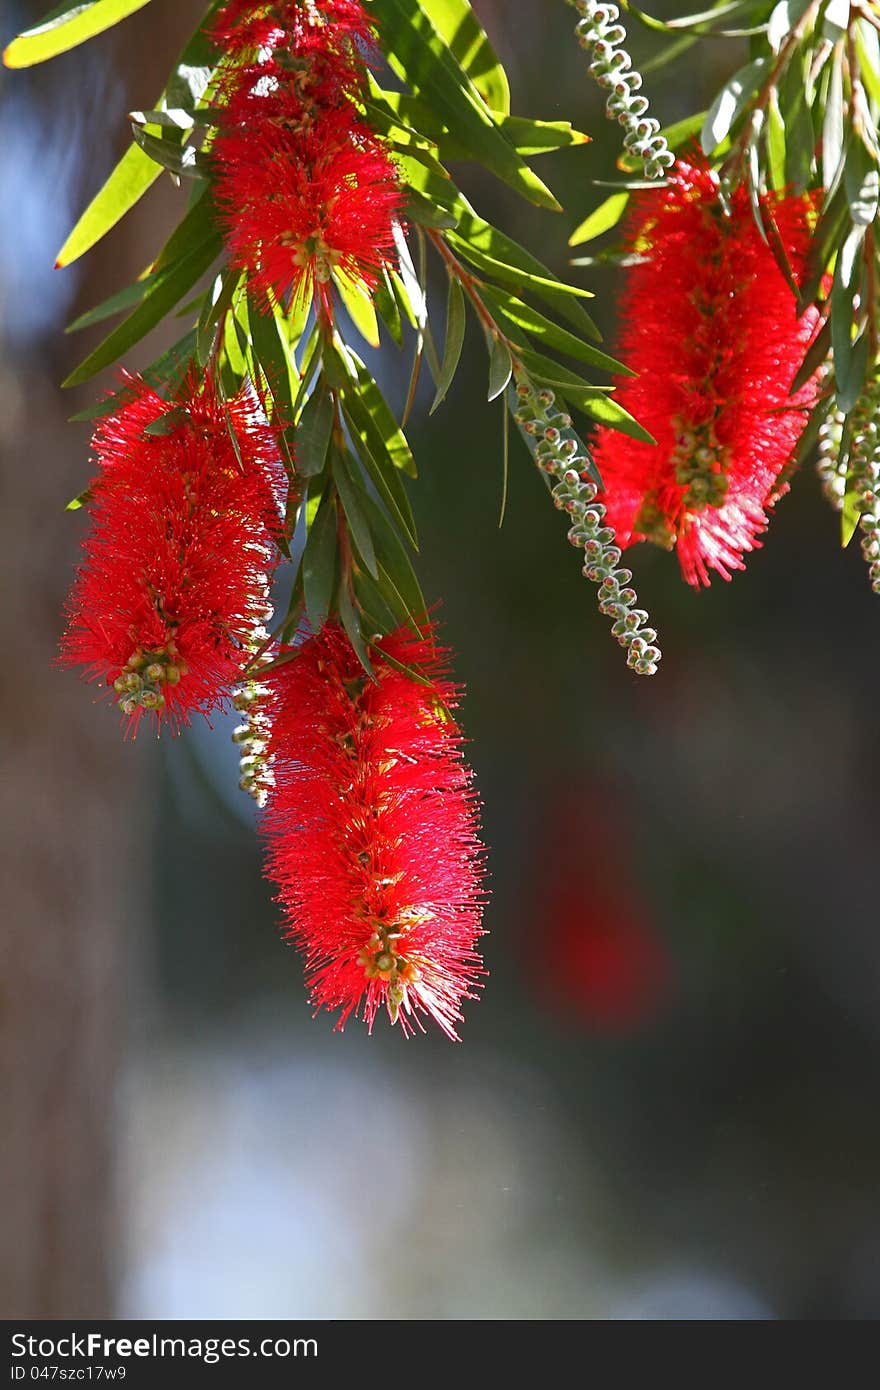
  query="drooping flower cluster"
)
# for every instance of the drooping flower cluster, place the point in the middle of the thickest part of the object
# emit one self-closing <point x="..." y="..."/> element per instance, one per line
<point x="372" y="829"/>
<point x="177" y="565"/>
<point x="304" y="187"/>
<point x="710" y="324"/>
<point x="555" y="450"/>
<point x="865" y="475"/>
<point x="601" y="33"/>
<point x="830" y="466"/>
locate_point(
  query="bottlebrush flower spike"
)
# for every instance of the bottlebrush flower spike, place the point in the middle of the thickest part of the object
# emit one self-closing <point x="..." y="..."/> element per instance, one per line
<point x="301" y="26"/>
<point x="710" y="324"/>
<point x="299" y="202"/>
<point x="372" y="829"/>
<point x="177" y="566"/>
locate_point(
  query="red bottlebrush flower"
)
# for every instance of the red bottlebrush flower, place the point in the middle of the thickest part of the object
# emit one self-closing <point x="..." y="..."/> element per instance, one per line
<point x="300" y="26"/>
<point x="614" y="969"/>
<point x="176" y="568"/>
<point x="710" y="324"/>
<point x="372" y="827"/>
<point x="298" y="205"/>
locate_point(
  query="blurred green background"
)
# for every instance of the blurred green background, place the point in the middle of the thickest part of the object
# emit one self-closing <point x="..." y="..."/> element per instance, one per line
<point x="665" y="1103"/>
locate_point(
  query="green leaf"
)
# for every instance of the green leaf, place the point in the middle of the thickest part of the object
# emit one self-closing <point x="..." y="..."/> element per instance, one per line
<point x="136" y="172"/>
<point x="511" y="310"/>
<point x="500" y="368"/>
<point x="783" y="19"/>
<point x="816" y="354"/>
<point x="868" y="53"/>
<point x="167" y="423"/>
<point x="270" y="347"/>
<point x="175" y="118"/>
<point x="319" y="562"/>
<point x="847" y="282"/>
<point x="800" y="138"/>
<point x="351" y="623"/>
<point x="530" y="137"/>
<point x="154" y="307"/>
<point x="217" y="302"/>
<point x="131" y="178"/>
<point x="457" y="24"/>
<point x="350" y="492"/>
<point x="359" y="306"/>
<point x="394" y="441"/>
<point x="396" y="574"/>
<point x="65" y="28"/>
<point x="419" y="209"/>
<point x="602" y="219"/>
<point x="704" y="20"/>
<point x="730" y="102"/>
<point x="607" y="411"/>
<point x="505" y="461"/>
<point x="375" y="459"/>
<point x="163" y="375"/>
<point x="373" y="602"/>
<point x="455" y="330"/>
<point x="825" y="241"/>
<point x="775" y="142"/>
<point x="862" y="182"/>
<point x="835" y="19"/>
<point x="833" y="124"/>
<point x="313" y="432"/>
<point x="546" y="287"/>
<point x="418" y="55"/>
<point x="549" y="373"/>
<point x="181" y="160"/>
<point x="117" y="303"/>
<point x="387" y="307"/>
<point x="850" y="389"/>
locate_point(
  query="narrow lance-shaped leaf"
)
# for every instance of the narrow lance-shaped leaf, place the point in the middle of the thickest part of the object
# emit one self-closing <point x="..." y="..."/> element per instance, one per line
<point x="135" y="171"/>
<point x="457" y="24"/>
<point x="313" y="432"/>
<point x="455" y="330"/>
<point x="500" y="368"/>
<point x="371" y="448"/>
<point x="602" y="219"/>
<point x="319" y="563"/>
<point x="350" y="492"/>
<point x="147" y="315"/>
<point x="351" y="622"/>
<point x="730" y="103"/>
<point x="510" y="310"/>
<point x="66" y="27"/>
<point x="419" y="55"/>
<point x="359" y="306"/>
<point x="395" y="441"/>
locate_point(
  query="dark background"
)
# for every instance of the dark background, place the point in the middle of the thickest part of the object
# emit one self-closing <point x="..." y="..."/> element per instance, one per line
<point x="665" y="1103"/>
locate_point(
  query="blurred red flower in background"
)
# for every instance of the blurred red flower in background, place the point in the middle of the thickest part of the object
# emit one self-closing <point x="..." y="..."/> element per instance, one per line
<point x="609" y="967"/>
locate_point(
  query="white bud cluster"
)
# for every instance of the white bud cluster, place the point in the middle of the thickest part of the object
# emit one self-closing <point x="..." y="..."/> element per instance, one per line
<point x="601" y="34"/>
<point x="831" y="467"/>
<point x="864" y="465"/>
<point x="556" y="453"/>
